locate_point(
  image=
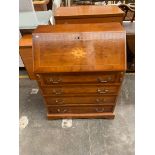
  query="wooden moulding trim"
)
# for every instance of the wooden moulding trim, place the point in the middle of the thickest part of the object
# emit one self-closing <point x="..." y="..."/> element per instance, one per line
<point x="42" y="70"/>
<point x="85" y="115"/>
<point x="89" y="16"/>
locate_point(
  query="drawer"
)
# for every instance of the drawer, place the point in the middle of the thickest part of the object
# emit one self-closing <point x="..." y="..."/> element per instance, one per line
<point x="89" y="20"/>
<point x="72" y="90"/>
<point x="80" y="100"/>
<point x="80" y="109"/>
<point x="85" y="78"/>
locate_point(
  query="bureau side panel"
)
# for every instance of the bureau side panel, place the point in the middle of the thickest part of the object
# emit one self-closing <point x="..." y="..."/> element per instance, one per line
<point x="26" y="55"/>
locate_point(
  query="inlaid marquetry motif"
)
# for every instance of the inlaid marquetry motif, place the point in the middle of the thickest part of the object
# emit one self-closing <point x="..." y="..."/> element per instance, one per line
<point x="78" y="53"/>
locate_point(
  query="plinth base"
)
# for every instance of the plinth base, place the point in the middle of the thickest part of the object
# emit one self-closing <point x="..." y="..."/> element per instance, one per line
<point x="89" y="115"/>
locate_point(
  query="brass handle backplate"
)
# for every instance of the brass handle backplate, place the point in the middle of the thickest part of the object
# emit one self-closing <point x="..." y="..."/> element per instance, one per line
<point x="98" y="100"/>
<point x="103" y="80"/>
<point x="57" y="91"/>
<point x="59" y="101"/>
<point x="100" y="109"/>
<point x="61" y="110"/>
<point x="102" y="90"/>
<point x="54" y="81"/>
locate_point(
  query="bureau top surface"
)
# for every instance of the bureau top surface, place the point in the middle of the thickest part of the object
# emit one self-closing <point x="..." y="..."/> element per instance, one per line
<point x="88" y="11"/>
<point x="79" y="48"/>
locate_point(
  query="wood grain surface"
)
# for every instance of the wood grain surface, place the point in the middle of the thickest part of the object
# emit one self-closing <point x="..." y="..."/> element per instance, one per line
<point x="75" y="49"/>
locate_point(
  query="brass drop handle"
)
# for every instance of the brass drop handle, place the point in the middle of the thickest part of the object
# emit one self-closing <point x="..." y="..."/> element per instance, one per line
<point x="100" y="109"/>
<point x="102" y="91"/>
<point x="104" y="81"/>
<point x="121" y="79"/>
<point x="61" y="110"/>
<point x="100" y="100"/>
<point x="60" y="101"/>
<point x="57" y="91"/>
<point x="54" y="81"/>
<point x="38" y="76"/>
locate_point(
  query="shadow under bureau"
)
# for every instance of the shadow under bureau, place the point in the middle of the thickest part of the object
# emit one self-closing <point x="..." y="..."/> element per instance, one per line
<point x="79" y="68"/>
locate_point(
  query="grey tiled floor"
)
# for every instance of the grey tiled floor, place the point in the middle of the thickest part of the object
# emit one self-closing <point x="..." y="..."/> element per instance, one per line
<point x="86" y="136"/>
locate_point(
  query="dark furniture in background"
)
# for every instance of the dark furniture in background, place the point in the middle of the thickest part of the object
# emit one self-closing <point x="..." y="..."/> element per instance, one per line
<point x="129" y="12"/>
<point x="92" y="2"/>
<point x="130" y="33"/>
<point x="49" y="5"/>
<point x="41" y="5"/>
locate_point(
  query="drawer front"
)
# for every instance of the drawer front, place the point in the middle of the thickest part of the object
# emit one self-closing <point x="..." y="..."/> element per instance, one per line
<point x="80" y="89"/>
<point x="89" y="20"/>
<point x="78" y="110"/>
<point x="80" y="100"/>
<point x="53" y="79"/>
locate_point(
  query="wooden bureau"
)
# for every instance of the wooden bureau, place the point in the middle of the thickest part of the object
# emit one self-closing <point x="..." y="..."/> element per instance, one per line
<point x="79" y="71"/>
<point x="88" y="14"/>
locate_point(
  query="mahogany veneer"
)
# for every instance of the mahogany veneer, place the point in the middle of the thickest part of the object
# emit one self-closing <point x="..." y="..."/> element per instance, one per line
<point x="79" y="71"/>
